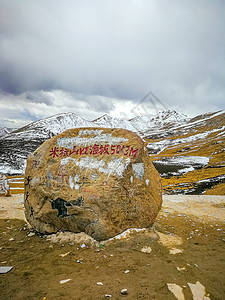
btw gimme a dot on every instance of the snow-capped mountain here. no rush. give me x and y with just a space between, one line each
163 119
110 122
46 128
4 131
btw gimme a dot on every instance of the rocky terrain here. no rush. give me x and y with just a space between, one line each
188 153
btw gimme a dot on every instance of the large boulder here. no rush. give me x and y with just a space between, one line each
94 180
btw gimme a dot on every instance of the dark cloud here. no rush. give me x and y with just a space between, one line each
117 49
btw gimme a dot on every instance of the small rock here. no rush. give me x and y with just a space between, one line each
176 290
108 296
127 271
124 292
12 239
83 246
31 234
79 261
64 281
146 249
175 251
64 254
181 269
99 283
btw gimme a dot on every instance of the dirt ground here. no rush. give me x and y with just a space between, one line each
183 254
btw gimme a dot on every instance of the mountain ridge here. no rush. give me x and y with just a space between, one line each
48 127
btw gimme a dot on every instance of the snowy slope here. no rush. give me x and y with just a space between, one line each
110 122
4 131
168 118
143 123
193 153
49 127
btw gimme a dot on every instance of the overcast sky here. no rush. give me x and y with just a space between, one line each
93 57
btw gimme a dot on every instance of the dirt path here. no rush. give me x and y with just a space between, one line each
183 254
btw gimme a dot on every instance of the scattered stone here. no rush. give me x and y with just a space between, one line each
181 269
64 281
198 291
124 292
31 234
4 270
99 283
64 254
176 251
176 290
12 239
83 246
196 265
146 249
79 261
127 271
108 296
80 181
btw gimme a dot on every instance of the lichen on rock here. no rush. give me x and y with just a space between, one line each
94 180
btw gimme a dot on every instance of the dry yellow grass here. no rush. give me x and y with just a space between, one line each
208 140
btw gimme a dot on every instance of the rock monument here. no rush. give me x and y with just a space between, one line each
94 180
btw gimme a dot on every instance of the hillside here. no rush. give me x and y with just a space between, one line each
191 157
188 153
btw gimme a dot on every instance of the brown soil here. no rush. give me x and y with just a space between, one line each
192 225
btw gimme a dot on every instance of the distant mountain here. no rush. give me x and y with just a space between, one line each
46 128
5 130
169 118
110 122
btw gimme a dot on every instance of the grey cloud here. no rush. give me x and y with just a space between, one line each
118 49
38 97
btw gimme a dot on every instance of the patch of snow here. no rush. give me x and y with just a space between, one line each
185 160
125 234
98 139
138 169
113 167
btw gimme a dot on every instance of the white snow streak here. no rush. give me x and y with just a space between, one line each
114 167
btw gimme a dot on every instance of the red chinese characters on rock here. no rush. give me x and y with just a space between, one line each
94 150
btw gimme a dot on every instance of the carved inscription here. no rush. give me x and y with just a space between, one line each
94 150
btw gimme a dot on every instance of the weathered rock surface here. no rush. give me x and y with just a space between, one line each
94 180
